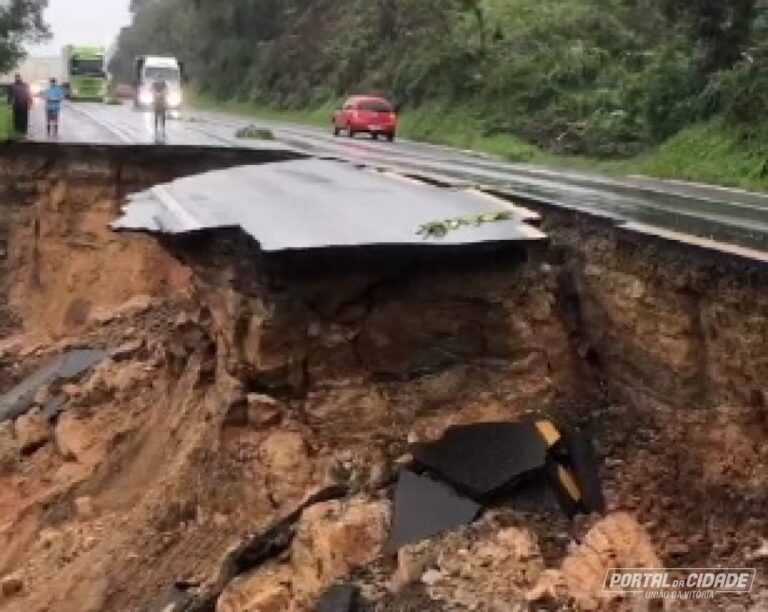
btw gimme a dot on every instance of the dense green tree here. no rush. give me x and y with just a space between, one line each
21 21
606 77
720 28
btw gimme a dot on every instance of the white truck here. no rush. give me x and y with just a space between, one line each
150 68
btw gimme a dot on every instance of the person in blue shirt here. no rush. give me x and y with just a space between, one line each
54 96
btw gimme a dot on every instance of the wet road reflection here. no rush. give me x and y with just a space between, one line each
725 215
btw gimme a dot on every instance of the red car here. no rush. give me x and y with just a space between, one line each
372 115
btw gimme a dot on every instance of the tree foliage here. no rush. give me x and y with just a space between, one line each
606 77
720 29
21 21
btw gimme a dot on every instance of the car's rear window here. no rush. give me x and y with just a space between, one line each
375 105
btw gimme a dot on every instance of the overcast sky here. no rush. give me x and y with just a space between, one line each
83 22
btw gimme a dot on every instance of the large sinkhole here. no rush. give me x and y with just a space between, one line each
239 385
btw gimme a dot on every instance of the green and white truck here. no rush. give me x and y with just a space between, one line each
85 72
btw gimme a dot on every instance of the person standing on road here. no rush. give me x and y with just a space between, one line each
54 96
160 105
20 99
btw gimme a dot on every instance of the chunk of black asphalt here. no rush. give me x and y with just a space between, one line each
54 407
339 598
581 459
532 495
483 460
425 508
64 367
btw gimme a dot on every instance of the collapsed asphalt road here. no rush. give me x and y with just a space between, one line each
260 400
709 217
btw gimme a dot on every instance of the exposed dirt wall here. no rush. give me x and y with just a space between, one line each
245 384
300 326
665 323
61 265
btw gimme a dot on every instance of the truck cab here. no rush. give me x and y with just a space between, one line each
85 75
149 69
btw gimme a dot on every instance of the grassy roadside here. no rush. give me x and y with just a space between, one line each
711 153
318 117
6 123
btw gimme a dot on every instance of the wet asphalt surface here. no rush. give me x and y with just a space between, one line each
712 217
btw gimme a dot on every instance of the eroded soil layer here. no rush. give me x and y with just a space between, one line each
246 392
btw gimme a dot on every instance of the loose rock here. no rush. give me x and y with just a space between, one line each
84 507
262 410
135 305
268 589
11 585
335 537
432 577
32 431
618 540
9 448
286 457
72 438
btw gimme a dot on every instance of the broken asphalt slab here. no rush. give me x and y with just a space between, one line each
425 508
65 367
342 597
484 459
490 461
317 204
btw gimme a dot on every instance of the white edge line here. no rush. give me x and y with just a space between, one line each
698 185
707 243
522 213
123 136
188 221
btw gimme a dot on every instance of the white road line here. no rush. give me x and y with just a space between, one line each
187 220
690 239
393 174
521 213
117 132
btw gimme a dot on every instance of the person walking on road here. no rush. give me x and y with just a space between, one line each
20 99
160 105
54 96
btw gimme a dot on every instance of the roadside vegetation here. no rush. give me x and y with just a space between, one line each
21 22
670 87
6 122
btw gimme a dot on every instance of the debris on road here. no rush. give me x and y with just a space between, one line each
439 229
425 508
64 368
255 132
